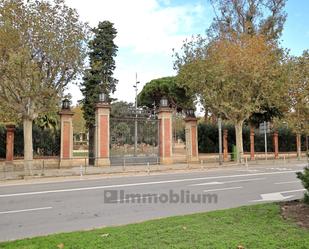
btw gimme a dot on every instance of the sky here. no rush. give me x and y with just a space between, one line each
149 30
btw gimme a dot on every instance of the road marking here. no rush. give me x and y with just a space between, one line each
286 182
140 184
277 196
217 183
220 189
248 170
25 210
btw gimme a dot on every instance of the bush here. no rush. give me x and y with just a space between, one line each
304 177
208 139
46 142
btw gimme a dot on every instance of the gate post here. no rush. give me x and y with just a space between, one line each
165 132
66 137
102 131
10 129
225 145
191 137
275 142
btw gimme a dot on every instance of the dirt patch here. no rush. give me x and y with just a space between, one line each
297 211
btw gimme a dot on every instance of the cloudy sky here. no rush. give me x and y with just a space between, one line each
148 30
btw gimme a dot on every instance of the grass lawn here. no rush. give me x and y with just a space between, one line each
259 226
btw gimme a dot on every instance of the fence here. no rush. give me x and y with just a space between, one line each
78 166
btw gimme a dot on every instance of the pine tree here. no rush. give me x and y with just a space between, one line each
99 76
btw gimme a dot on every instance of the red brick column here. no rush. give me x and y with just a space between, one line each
10 129
276 144
66 138
191 139
165 135
252 156
225 145
102 129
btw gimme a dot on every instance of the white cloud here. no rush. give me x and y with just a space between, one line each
147 33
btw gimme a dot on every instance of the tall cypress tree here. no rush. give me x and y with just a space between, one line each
99 75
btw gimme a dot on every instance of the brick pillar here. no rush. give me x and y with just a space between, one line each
252 156
225 145
66 137
191 139
10 129
165 135
102 129
276 144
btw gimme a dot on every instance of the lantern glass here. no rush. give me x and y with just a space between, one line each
164 102
190 113
66 104
102 97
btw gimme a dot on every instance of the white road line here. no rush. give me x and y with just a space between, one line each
286 182
292 191
25 210
220 189
215 183
141 184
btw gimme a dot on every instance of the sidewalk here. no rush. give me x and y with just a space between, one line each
75 173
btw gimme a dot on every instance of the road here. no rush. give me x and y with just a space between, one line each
28 210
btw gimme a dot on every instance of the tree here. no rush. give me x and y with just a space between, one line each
99 77
168 87
235 77
41 49
79 123
254 17
298 113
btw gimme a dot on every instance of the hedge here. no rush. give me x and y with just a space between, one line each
209 141
46 142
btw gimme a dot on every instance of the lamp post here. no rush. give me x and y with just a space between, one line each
66 104
220 139
135 123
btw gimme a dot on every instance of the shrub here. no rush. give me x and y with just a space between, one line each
304 177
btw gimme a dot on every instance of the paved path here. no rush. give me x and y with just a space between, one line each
28 210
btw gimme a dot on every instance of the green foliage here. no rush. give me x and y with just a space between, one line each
102 65
168 87
304 177
46 142
42 51
254 227
234 153
250 17
208 139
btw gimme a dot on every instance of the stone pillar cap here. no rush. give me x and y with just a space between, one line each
103 105
66 112
10 127
187 119
165 109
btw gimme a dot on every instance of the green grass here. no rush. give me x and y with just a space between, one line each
80 154
259 226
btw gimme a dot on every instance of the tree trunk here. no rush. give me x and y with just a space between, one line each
91 145
252 153
298 145
239 142
28 145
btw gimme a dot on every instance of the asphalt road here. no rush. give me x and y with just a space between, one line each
28 210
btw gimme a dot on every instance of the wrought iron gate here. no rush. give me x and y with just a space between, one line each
134 138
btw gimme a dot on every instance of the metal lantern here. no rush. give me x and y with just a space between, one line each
164 102
190 113
66 104
102 97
